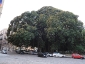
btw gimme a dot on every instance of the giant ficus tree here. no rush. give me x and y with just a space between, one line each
48 28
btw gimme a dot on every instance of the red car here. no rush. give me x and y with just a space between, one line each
77 56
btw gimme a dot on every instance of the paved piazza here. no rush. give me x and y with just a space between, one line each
33 59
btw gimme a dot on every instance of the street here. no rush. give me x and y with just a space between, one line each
33 59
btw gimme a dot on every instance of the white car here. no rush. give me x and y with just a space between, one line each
54 54
58 55
50 55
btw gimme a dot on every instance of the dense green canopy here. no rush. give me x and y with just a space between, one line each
49 29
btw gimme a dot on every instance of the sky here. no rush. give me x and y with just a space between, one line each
13 8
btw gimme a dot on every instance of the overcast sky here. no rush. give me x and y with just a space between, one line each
13 8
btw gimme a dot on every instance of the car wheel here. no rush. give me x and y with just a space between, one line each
82 58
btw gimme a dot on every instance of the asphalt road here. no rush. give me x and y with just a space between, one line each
33 59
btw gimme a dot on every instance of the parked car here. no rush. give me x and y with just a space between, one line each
77 56
55 53
33 52
4 51
20 51
58 55
40 54
50 55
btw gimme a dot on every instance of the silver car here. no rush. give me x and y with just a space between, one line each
58 55
4 51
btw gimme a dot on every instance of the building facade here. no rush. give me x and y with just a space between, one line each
3 39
